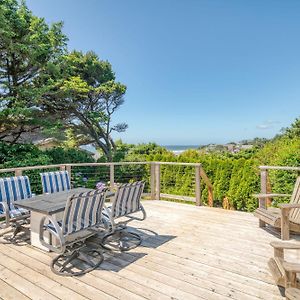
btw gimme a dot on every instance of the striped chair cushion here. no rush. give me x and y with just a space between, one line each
17 212
127 199
83 211
54 182
106 212
13 189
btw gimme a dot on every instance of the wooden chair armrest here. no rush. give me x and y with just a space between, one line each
291 267
285 245
289 205
270 195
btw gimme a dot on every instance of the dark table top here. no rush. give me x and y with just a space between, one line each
49 204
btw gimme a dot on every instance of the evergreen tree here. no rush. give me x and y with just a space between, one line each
27 47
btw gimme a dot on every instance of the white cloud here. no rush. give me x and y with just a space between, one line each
267 124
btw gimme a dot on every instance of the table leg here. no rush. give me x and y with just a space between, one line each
35 219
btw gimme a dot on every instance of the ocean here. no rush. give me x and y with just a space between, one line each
177 149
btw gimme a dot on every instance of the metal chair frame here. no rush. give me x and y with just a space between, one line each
16 222
119 230
70 244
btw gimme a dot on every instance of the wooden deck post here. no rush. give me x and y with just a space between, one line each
263 190
62 167
18 172
69 169
198 185
112 176
152 180
157 181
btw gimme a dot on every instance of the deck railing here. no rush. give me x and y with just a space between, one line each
87 174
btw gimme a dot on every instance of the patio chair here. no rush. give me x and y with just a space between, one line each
82 214
284 272
13 189
127 201
54 182
286 217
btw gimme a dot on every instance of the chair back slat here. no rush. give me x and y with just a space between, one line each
83 211
295 213
13 189
54 182
127 199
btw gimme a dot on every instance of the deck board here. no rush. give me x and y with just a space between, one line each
188 253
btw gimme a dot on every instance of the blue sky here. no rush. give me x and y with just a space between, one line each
196 71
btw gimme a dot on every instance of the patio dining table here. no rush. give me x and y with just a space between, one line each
47 204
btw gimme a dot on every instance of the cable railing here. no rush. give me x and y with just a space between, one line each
163 180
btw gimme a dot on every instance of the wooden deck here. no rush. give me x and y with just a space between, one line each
192 253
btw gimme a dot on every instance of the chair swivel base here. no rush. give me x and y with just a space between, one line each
77 262
121 240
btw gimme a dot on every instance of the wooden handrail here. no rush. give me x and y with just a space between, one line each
30 168
177 163
25 168
279 168
209 187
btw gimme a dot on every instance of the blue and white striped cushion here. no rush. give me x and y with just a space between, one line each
13 189
54 182
17 212
83 211
127 199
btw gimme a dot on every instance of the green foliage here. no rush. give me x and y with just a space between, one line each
85 95
294 130
61 155
283 151
28 45
42 85
248 185
20 155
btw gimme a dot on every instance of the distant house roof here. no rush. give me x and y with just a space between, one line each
246 147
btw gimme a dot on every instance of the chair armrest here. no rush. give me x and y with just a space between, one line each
285 245
57 232
6 213
270 195
289 205
291 267
137 218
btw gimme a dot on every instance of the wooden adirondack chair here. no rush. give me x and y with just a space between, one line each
284 272
286 217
